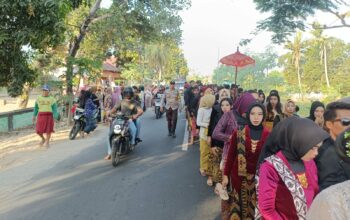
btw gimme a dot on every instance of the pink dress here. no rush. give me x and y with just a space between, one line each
275 200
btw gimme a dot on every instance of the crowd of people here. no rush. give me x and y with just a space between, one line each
263 159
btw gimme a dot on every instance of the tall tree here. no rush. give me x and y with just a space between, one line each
285 17
296 48
157 57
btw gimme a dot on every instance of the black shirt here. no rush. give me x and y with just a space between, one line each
331 169
215 116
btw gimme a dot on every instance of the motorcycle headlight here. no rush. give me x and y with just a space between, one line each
117 129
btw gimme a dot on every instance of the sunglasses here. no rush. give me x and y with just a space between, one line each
344 121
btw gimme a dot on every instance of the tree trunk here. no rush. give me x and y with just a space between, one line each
325 65
73 49
299 82
160 75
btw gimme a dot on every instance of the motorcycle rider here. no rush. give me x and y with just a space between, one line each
130 108
158 98
173 101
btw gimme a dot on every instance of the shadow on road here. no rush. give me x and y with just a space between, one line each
158 181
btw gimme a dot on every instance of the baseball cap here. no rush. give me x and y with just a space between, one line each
46 87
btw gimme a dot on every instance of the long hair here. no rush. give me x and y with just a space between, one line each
278 106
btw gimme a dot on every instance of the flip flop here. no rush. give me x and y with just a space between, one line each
202 172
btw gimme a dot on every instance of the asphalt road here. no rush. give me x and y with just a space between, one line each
71 180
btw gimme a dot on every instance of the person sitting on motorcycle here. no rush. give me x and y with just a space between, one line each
90 112
130 108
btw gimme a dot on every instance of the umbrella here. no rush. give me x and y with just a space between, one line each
237 60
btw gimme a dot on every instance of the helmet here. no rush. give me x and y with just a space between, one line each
128 91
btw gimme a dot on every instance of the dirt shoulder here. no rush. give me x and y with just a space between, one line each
13 145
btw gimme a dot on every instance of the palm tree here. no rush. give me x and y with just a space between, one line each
296 48
322 42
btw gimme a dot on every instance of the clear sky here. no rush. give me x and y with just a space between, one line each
214 28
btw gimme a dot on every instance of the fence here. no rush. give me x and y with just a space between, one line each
17 119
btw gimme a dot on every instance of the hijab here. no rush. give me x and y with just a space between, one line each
293 141
243 102
296 142
207 101
256 131
116 95
314 106
221 94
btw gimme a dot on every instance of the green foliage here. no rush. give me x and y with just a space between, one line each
312 65
156 62
260 76
285 17
33 24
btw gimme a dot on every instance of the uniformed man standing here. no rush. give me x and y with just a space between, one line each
171 100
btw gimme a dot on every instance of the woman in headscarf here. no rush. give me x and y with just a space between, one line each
240 167
205 107
116 96
230 121
224 106
289 110
108 101
316 113
333 202
148 97
273 108
193 110
287 180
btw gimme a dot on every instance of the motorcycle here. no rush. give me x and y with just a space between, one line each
120 138
79 122
157 105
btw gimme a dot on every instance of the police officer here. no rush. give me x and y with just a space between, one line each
171 101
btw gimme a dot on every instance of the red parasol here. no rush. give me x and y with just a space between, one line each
237 60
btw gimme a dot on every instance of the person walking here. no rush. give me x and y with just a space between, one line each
171 101
205 108
240 167
287 174
45 110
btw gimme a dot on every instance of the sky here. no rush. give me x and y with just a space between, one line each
213 29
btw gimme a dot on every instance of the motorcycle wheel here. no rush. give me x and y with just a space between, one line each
115 152
74 131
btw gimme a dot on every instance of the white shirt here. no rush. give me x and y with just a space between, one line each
203 119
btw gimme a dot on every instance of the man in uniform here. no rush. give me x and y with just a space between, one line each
171 101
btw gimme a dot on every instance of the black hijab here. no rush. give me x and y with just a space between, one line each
255 131
294 137
314 106
299 137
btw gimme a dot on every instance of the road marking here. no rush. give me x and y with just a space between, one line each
185 140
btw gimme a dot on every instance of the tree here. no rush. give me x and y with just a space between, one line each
156 56
25 26
285 17
295 49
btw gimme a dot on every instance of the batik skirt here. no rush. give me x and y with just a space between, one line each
241 205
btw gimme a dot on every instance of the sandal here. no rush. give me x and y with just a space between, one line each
222 191
202 172
108 157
